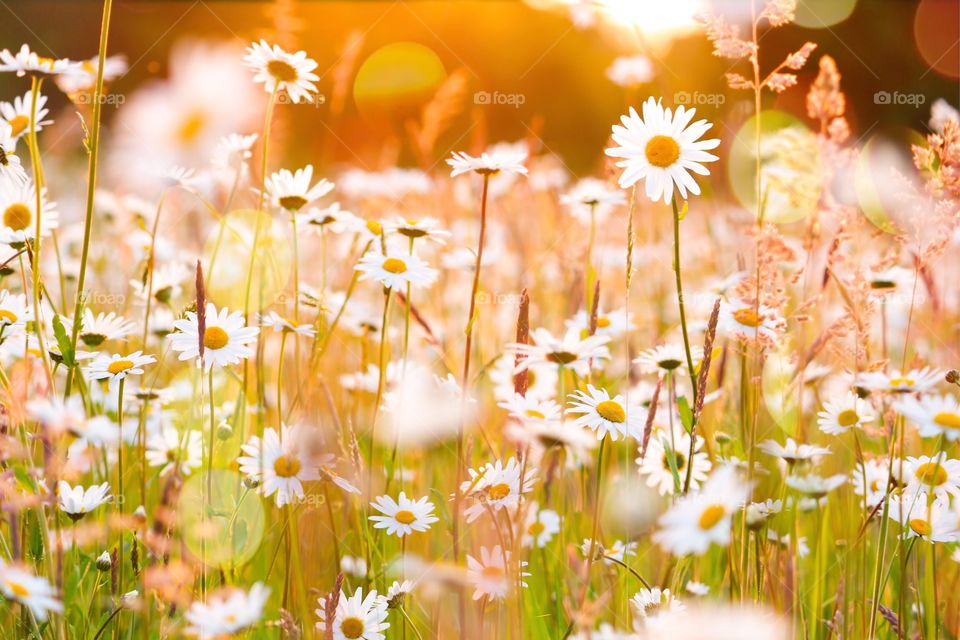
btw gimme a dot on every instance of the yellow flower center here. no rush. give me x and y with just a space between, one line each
192 126
18 589
282 71
404 516
612 411
394 265
17 216
662 151
215 338
902 382
711 516
493 571
286 466
603 322
747 317
7 317
944 419
374 227
352 628
921 527
18 124
498 491
533 413
119 366
292 203
847 418
536 528
932 474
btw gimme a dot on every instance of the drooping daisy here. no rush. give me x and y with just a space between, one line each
403 516
280 71
606 415
610 323
25 62
10 167
226 340
282 325
939 476
618 551
540 526
591 196
33 592
700 519
332 218
77 502
570 351
489 574
227 611
740 319
292 191
280 465
662 149
166 283
19 205
668 358
791 452
395 270
95 330
397 592
356 617
758 513
844 413
531 409
14 312
934 415
17 114
117 367
900 382
496 485
170 449
487 164
656 464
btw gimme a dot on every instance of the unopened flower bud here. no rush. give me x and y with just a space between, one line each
953 376
104 562
224 431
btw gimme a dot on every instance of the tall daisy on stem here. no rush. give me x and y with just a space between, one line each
662 148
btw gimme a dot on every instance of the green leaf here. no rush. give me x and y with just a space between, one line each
24 478
63 341
686 415
672 462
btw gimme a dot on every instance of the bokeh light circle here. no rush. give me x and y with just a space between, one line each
227 259
936 30
235 518
818 14
883 167
790 167
397 77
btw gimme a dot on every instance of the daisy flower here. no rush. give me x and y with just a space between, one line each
605 415
77 502
668 358
487 164
280 465
95 330
369 229
403 516
395 270
397 592
540 526
793 453
19 205
25 62
332 218
14 312
758 513
414 228
701 519
496 485
630 71
592 197
227 611
813 485
233 151
570 351
899 382
58 416
656 463
697 588
353 566
531 409
619 550
10 167
226 340
281 325
939 476
166 282
489 575
170 449
662 149
116 367
31 591
870 480
85 77
292 191
844 413
934 415
650 603
611 323
17 114
745 320
356 617
280 71
931 522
